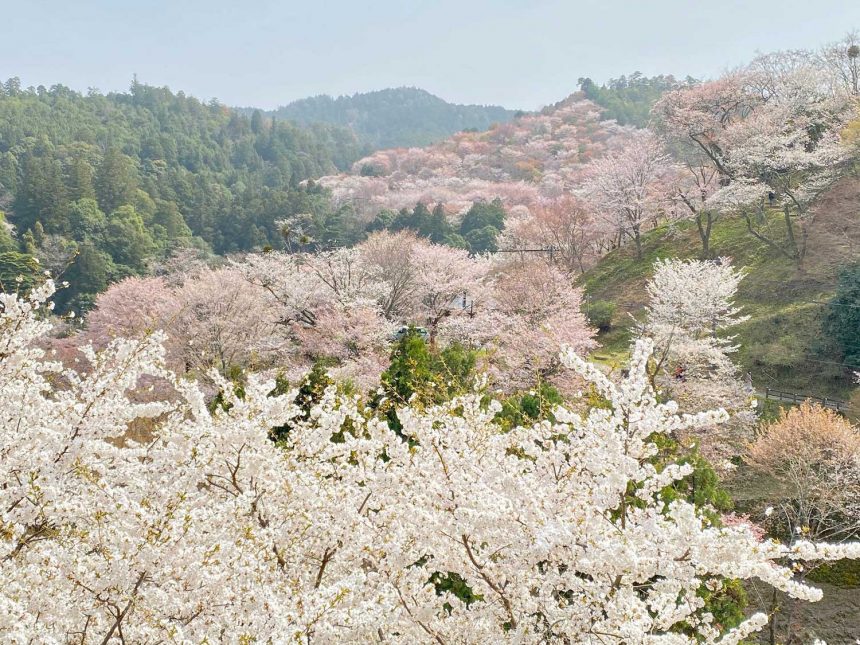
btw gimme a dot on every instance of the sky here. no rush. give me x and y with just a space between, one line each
522 54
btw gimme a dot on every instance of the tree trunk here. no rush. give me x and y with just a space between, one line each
637 238
789 227
704 223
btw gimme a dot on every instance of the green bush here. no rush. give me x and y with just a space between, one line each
422 375
523 409
311 390
843 573
600 313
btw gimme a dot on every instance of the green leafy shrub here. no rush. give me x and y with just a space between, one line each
600 313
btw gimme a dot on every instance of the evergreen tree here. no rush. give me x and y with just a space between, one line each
86 220
438 228
843 316
115 181
483 214
79 182
126 238
7 243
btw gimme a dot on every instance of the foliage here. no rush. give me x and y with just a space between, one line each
600 313
421 375
18 271
528 407
844 573
478 231
419 220
137 174
7 242
483 214
701 487
310 393
628 99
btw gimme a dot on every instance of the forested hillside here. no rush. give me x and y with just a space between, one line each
629 99
394 118
113 181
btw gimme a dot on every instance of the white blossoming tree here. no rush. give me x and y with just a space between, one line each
690 310
208 532
629 187
787 150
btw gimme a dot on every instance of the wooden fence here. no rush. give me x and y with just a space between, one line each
793 397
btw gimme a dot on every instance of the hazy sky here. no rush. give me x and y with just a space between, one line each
517 53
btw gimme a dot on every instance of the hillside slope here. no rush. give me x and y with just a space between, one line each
396 117
781 345
532 158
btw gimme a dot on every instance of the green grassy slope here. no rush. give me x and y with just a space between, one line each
782 344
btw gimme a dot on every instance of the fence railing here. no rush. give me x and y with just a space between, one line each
795 397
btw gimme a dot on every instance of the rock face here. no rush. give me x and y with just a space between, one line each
835 619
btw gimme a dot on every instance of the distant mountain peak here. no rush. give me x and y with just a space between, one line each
394 117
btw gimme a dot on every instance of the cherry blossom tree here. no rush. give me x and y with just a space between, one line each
694 297
761 138
411 280
843 60
207 530
390 256
447 282
786 152
691 308
628 187
225 323
326 306
813 456
702 113
131 308
565 225
537 310
693 121
212 319
346 304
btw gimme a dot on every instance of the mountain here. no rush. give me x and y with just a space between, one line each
394 118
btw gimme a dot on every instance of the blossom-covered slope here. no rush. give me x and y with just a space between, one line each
523 162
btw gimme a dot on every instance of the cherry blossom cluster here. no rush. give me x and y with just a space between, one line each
517 311
202 529
691 307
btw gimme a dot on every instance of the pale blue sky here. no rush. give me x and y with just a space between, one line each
518 53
